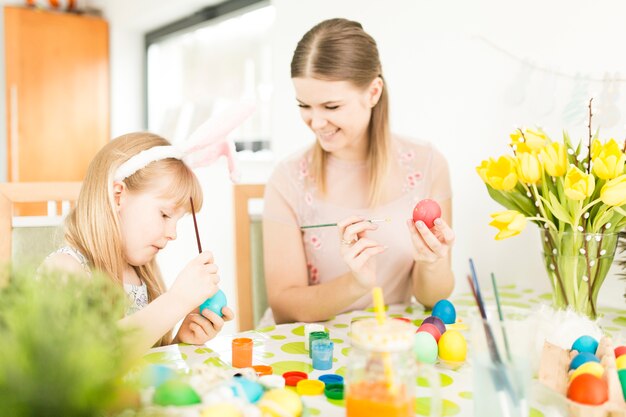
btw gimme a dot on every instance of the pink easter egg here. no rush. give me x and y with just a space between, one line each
427 211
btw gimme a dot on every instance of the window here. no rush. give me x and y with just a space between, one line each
198 71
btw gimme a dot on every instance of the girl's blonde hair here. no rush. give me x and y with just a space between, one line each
340 50
93 226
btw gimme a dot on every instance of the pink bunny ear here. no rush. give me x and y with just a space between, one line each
210 140
217 128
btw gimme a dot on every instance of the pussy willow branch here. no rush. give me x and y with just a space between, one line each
589 144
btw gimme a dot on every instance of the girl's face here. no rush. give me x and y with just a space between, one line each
148 221
338 113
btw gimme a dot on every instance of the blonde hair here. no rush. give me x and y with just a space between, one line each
93 226
340 50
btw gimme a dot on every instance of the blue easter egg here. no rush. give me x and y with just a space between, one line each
156 375
215 303
585 344
583 357
252 390
445 311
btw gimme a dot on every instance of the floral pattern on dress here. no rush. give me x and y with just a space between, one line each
314 277
138 297
316 242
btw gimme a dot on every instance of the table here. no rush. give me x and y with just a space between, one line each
282 347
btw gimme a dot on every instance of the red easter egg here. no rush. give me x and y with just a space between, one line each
588 389
427 211
430 328
619 351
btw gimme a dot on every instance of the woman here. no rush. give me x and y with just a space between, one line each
355 172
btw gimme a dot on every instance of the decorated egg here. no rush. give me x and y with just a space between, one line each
621 362
619 351
430 328
437 322
445 311
155 375
280 402
593 368
215 303
452 346
175 392
585 344
221 410
588 389
425 348
250 389
427 211
581 358
622 379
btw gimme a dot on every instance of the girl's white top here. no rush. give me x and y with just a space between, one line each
137 294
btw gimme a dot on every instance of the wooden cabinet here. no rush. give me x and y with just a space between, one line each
57 93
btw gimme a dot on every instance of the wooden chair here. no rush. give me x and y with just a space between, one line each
15 193
246 253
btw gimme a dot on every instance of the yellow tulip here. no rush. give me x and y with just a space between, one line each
508 222
531 141
500 174
554 158
578 185
529 168
608 159
614 191
482 170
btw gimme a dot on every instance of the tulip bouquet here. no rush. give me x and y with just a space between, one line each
576 195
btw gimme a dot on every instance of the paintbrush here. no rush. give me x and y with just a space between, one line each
501 316
315 226
195 225
499 373
379 309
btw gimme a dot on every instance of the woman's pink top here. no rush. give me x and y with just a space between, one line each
417 171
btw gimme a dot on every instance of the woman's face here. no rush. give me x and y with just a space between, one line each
338 113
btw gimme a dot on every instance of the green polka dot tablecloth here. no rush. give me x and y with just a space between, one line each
282 347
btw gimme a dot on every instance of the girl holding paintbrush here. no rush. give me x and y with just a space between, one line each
356 174
135 191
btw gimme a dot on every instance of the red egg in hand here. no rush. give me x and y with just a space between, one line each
427 211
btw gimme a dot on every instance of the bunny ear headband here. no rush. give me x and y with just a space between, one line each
205 145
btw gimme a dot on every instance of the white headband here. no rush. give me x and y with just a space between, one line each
205 145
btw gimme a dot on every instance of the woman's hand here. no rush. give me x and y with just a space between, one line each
197 281
197 328
358 251
430 245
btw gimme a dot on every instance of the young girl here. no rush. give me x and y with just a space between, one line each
355 171
136 189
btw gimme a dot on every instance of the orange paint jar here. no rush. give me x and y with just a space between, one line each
381 371
373 399
242 352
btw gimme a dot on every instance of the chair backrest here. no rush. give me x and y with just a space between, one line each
30 237
251 294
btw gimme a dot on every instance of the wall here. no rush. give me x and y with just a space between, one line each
456 77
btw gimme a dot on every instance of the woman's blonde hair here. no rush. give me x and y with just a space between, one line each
93 226
340 50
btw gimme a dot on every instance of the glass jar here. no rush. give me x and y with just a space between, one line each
381 372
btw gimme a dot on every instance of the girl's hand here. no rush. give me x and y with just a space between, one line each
358 251
430 245
197 281
197 328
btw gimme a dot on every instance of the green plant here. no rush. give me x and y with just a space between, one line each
61 351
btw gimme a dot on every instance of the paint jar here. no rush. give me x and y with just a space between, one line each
322 354
316 336
381 371
242 352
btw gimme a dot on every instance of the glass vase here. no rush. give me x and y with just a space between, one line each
577 264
